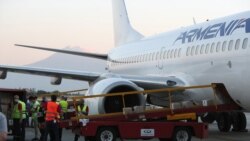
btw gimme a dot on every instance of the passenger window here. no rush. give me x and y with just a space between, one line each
179 52
224 46
175 53
172 53
212 48
245 42
230 45
207 48
157 55
168 55
192 50
153 56
197 49
237 44
202 49
164 55
218 47
188 50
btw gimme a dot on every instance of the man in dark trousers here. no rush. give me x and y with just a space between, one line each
51 118
18 115
41 117
82 109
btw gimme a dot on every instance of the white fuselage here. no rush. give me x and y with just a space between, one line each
216 51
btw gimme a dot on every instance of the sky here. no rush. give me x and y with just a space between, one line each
88 23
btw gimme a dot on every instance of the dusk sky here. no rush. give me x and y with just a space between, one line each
88 23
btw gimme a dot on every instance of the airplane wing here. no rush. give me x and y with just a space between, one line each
92 55
54 73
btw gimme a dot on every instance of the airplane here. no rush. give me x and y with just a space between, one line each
214 51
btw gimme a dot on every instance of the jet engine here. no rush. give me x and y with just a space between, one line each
56 80
110 104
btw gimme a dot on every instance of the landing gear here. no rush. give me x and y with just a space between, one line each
239 122
208 117
224 122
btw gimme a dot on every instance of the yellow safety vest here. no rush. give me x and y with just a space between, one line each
16 114
35 111
64 105
83 109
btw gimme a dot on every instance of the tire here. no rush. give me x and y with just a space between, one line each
239 121
182 134
236 121
224 122
106 134
208 118
243 123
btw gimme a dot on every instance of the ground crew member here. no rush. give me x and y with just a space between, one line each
41 117
34 110
3 127
82 109
51 118
64 109
18 115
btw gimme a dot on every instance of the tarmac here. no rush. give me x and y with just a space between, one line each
214 134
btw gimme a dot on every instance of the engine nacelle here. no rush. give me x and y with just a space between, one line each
112 104
56 80
3 74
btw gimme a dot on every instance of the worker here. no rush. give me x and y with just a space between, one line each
51 119
64 109
18 115
3 127
82 109
41 117
34 111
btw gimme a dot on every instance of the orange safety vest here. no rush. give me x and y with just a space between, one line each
51 113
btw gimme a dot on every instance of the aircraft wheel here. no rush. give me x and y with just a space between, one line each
208 117
239 121
224 122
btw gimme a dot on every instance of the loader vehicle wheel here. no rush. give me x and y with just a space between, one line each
182 134
106 134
